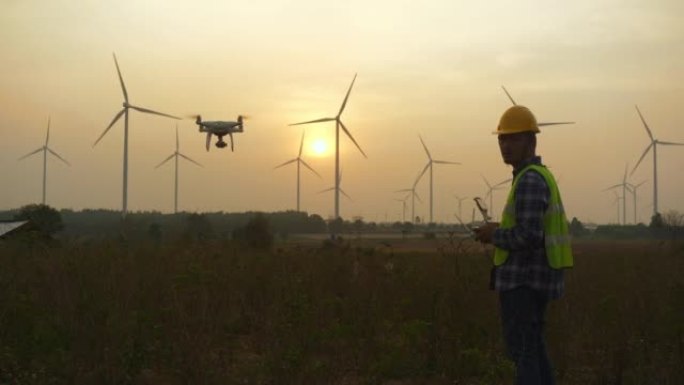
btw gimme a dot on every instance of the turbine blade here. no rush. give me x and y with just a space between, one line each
346 195
671 143
47 137
208 140
553 123
503 182
116 117
189 160
59 157
624 178
486 182
344 103
344 128
314 121
509 96
418 197
421 174
177 142
642 158
309 167
148 111
612 187
403 190
444 162
165 160
118 71
31 153
650 135
285 163
326 190
425 147
301 145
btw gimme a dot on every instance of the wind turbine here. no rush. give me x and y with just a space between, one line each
624 186
491 189
124 113
460 201
633 190
45 149
414 195
403 207
176 154
654 143
617 203
338 124
299 161
429 166
540 124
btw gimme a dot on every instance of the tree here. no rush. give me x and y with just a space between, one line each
198 227
657 221
256 233
576 228
673 221
336 226
43 218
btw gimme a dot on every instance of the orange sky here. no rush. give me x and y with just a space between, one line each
432 68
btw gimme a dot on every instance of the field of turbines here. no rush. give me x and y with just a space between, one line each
222 128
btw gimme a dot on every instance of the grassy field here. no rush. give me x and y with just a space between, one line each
362 312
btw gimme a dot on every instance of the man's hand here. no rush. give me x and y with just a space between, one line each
485 233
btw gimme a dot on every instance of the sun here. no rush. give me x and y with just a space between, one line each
319 147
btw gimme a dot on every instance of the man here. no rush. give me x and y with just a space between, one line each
532 247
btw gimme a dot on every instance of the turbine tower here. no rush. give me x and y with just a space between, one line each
617 203
429 166
654 143
176 154
124 112
540 124
45 149
624 186
338 124
299 161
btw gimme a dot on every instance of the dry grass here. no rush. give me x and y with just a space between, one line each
365 312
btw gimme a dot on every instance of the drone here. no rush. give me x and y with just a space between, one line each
220 128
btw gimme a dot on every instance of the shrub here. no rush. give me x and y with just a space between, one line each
44 219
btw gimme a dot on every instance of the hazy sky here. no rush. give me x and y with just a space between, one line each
432 68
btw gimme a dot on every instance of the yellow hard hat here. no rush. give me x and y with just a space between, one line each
517 119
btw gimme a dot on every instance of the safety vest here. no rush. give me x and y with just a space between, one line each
556 233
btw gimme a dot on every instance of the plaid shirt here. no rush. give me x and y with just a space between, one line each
527 264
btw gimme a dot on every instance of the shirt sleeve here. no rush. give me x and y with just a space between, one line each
531 201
